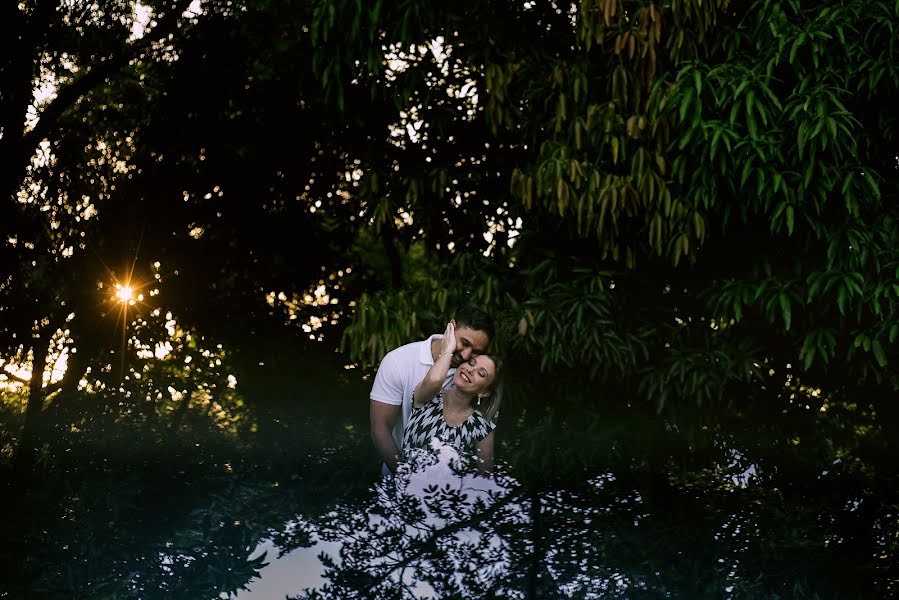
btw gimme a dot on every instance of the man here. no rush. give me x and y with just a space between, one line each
403 368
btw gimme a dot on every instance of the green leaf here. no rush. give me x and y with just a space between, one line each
747 171
750 122
685 103
778 211
800 141
879 354
841 299
772 97
795 49
807 353
714 145
875 189
819 125
814 286
847 182
734 111
785 310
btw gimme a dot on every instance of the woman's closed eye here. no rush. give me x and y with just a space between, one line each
473 363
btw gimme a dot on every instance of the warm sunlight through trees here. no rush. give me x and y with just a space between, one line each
694 198
682 214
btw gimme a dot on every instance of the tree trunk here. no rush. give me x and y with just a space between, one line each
27 450
68 387
181 409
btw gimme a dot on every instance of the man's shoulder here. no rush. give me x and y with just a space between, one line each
407 354
399 371
411 347
402 360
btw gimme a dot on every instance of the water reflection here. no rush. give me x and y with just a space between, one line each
720 532
286 570
791 503
437 531
424 533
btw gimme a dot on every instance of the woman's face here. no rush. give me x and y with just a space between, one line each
475 375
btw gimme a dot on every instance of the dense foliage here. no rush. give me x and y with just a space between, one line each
680 208
693 199
706 191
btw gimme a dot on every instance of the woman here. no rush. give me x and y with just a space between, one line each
461 415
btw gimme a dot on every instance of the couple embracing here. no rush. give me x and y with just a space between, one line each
444 387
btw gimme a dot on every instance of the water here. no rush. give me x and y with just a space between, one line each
592 499
283 575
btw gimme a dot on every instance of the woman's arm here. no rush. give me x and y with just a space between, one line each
485 454
436 375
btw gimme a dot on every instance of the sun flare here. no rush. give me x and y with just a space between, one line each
124 293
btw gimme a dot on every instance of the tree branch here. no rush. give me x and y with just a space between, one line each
51 388
67 96
14 377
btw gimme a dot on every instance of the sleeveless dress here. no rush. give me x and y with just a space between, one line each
427 422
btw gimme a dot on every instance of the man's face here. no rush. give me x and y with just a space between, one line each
469 342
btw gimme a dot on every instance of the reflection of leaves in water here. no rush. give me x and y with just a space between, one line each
419 534
435 531
609 506
632 530
297 534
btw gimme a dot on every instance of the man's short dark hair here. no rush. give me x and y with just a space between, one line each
476 319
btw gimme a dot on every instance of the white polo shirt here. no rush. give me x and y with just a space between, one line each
400 371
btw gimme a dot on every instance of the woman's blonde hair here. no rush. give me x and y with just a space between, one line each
489 406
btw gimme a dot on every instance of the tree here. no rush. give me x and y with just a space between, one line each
74 50
716 178
183 157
